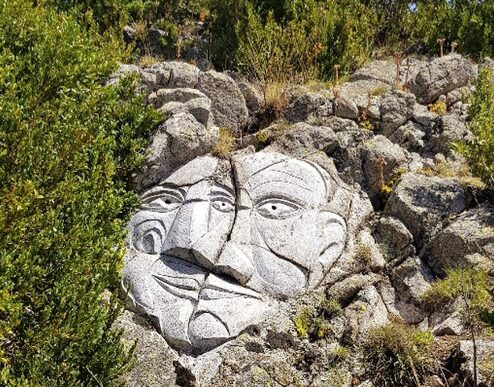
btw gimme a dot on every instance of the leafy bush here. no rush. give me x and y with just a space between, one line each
479 151
68 146
397 355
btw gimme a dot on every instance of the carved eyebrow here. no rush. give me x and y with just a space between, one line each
169 189
284 182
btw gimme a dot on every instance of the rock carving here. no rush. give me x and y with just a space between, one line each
218 239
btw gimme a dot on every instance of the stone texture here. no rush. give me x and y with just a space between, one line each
423 203
441 76
394 239
210 245
228 103
409 136
179 139
379 70
464 353
397 108
467 241
380 161
303 138
309 107
346 108
450 128
366 312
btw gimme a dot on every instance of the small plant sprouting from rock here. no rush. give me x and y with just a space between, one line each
226 143
438 107
363 253
441 46
313 322
398 355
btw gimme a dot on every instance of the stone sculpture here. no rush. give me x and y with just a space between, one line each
218 240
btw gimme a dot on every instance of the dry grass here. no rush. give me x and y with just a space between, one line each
275 98
225 145
463 175
363 253
148 61
438 107
141 30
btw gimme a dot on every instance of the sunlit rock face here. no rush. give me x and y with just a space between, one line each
215 242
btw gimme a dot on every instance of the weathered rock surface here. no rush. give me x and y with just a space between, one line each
397 108
423 203
309 106
179 139
225 252
467 242
441 76
380 162
229 107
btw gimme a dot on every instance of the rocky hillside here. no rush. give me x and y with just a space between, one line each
388 131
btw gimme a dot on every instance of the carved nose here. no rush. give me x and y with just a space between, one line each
236 261
187 235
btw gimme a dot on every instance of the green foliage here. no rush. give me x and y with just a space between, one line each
474 287
314 322
68 146
397 355
274 52
479 151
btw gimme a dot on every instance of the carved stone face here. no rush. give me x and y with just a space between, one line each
210 245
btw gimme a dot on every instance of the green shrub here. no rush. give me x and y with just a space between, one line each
314 322
474 287
397 355
479 151
68 146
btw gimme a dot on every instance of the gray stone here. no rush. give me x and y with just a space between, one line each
175 75
379 70
441 76
183 95
409 136
423 116
451 326
380 161
411 279
228 103
364 94
252 95
485 351
467 242
393 237
178 140
346 290
397 108
309 107
450 129
303 138
154 358
211 246
367 312
423 203
346 108
199 108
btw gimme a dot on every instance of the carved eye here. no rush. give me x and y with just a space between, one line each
163 203
277 208
222 204
149 236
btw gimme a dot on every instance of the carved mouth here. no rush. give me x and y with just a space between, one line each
177 278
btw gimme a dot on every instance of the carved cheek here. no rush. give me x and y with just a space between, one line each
294 238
